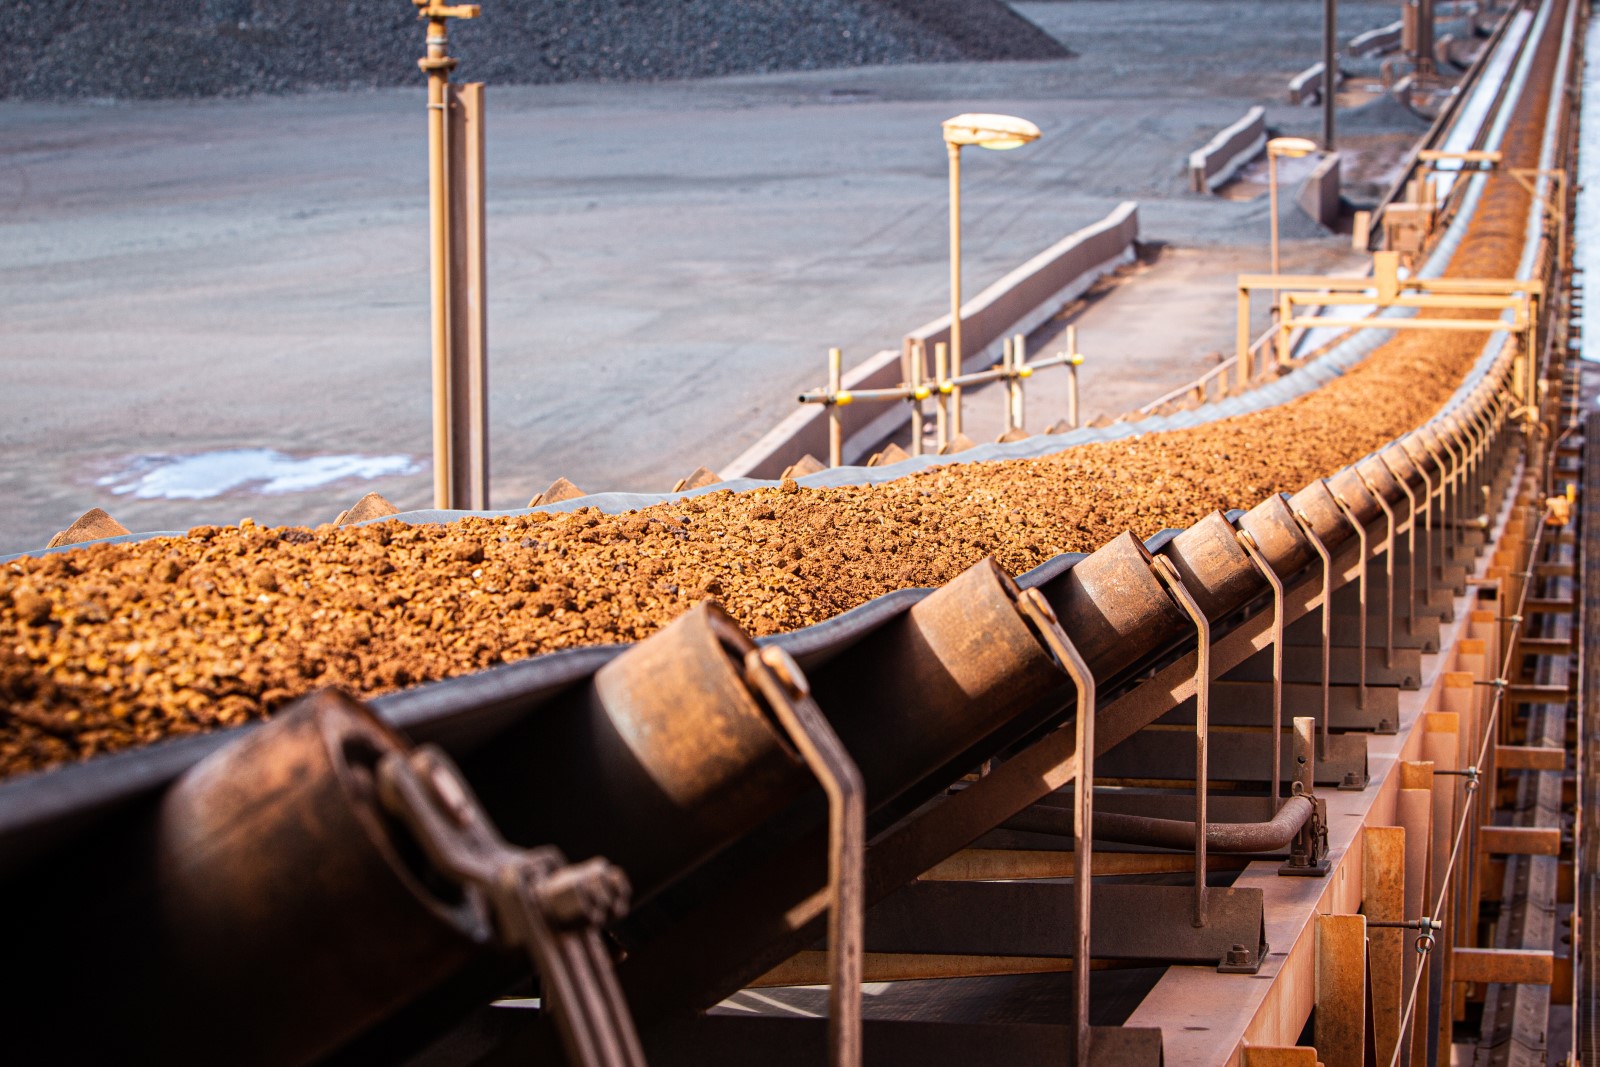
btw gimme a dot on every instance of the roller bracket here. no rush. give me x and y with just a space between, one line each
773 673
536 901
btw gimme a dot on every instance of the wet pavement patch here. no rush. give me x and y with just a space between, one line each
204 475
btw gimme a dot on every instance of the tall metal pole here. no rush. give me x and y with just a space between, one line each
955 283
1330 70
437 64
1272 198
1073 359
469 364
1423 58
835 421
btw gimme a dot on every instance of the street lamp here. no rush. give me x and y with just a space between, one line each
1294 148
997 133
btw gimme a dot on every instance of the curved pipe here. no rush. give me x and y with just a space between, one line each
1231 837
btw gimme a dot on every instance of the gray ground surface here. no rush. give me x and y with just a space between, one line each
171 48
668 263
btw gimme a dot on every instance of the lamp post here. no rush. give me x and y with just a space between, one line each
1294 148
996 133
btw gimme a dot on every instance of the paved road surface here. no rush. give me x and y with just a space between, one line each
668 263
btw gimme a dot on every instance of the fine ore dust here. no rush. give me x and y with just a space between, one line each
113 646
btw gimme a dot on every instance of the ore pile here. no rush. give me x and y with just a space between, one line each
119 645
113 646
168 48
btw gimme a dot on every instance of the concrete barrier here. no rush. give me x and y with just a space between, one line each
1306 87
1318 195
1017 303
1376 42
1229 150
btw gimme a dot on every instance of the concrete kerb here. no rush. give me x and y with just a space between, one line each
1376 41
1230 149
1017 303
1307 86
1318 195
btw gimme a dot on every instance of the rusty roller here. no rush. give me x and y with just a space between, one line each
1328 523
272 890
977 665
1214 567
660 759
974 665
1278 537
1114 608
1346 484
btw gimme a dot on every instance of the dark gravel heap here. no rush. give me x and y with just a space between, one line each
188 48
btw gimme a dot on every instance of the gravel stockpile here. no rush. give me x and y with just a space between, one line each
169 48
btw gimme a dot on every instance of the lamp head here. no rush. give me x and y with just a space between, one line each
995 132
1293 147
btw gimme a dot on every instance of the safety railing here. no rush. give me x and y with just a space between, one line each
945 389
1214 383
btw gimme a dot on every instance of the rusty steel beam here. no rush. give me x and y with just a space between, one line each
1504 965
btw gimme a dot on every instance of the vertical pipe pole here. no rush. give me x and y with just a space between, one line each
468 363
1283 330
1424 54
1330 70
918 423
1305 754
941 375
835 422
955 283
1272 209
1007 369
1242 341
438 70
1074 358
1019 361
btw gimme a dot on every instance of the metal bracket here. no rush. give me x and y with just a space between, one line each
1247 541
1168 574
1036 609
1427 524
536 900
1424 940
1388 568
776 676
1308 853
432 9
1411 549
1309 529
1361 592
